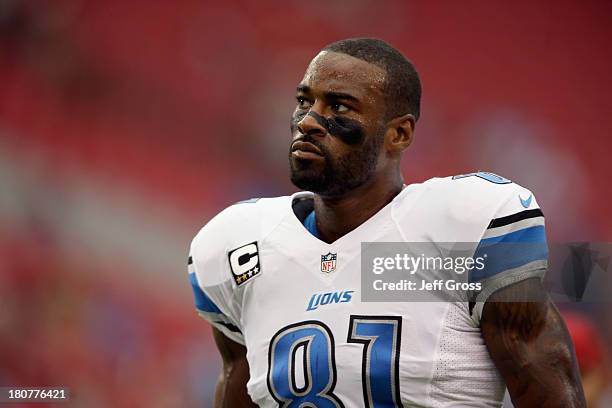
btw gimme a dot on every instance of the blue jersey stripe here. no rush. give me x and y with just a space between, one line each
510 251
202 302
531 234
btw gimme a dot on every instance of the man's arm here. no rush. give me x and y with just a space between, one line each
231 389
531 347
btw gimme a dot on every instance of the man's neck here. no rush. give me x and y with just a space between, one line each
337 216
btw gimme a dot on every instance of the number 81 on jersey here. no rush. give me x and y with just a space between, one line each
380 336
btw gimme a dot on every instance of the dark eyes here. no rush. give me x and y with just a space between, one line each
340 108
303 103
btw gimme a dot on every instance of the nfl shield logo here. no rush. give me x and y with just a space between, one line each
328 262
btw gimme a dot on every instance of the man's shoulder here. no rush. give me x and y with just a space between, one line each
478 188
461 207
240 223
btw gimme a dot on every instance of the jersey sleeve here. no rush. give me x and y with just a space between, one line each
513 246
216 299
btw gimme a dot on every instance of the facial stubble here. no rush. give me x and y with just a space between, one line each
335 176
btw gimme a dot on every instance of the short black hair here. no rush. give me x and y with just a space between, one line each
402 87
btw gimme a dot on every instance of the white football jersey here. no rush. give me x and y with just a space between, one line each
294 301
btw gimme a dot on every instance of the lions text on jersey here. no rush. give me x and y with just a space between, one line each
294 301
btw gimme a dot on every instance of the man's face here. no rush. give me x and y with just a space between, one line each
338 124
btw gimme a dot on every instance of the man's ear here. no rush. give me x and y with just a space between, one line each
400 133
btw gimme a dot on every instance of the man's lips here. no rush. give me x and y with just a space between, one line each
305 150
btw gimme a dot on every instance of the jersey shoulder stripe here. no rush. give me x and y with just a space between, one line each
534 233
512 242
208 310
509 219
202 302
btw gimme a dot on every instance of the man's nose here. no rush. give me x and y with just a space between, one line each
311 123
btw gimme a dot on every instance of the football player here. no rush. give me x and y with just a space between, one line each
279 278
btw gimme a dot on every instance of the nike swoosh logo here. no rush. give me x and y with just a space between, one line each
526 203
